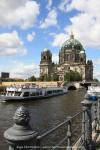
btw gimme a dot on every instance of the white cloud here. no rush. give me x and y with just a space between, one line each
96 73
96 61
96 70
49 4
50 20
19 69
63 6
55 58
86 24
11 44
31 36
25 70
22 13
59 39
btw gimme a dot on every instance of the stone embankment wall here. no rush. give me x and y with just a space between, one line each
39 84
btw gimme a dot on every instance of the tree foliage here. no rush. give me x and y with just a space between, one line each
11 80
48 78
32 78
72 76
55 77
95 80
45 78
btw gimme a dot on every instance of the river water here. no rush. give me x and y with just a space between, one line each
45 114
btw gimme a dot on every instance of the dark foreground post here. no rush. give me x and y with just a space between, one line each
87 124
69 147
21 136
98 111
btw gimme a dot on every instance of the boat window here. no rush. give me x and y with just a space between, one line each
18 93
10 93
33 94
37 93
49 92
26 94
40 92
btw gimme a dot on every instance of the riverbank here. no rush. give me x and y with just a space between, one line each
40 84
3 85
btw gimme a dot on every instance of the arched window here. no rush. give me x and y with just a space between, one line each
68 57
44 57
81 59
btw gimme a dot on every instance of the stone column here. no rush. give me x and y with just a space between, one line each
21 135
87 126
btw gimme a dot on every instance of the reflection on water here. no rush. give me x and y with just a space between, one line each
45 114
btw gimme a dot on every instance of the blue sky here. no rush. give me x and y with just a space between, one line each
29 26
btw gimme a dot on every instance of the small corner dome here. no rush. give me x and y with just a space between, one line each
82 52
45 50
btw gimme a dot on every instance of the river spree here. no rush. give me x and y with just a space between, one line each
45 114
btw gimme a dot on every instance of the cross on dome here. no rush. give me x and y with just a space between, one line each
72 35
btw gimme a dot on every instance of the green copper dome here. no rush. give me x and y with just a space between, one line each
46 49
46 52
72 43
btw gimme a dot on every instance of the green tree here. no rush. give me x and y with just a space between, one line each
72 76
95 80
67 76
32 78
55 77
48 78
11 80
45 78
41 78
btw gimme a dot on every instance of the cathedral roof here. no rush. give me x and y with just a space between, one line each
46 49
72 43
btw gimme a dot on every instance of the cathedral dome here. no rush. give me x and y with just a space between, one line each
72 43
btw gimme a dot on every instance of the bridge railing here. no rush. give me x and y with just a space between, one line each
79 127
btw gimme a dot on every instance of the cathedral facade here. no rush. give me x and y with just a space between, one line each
72 57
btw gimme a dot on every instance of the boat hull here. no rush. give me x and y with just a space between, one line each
5 98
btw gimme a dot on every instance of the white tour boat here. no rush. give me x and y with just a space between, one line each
15 93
